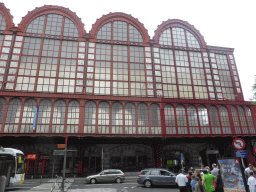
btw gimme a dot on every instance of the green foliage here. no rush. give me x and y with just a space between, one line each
253 100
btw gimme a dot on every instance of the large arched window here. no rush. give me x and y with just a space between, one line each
73 117
249 119
170 119
2 111
44 116
203 119
243 120
51 61
13 116
224 118
58 120
143 119
155 119
90 117
235 120
28 116
117 118
192 120
103 118
181 119
214 117
130 119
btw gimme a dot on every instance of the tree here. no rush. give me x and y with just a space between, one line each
254 93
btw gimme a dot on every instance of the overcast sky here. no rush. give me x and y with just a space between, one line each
224 23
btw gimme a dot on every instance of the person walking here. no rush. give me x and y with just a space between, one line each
248 170
182 180
215 170
251 182
208 180
199 186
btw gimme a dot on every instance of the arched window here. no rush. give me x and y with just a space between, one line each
51 61
179 37
103 118
2 23
224 120
203 119
28 116
181 119
73 117
235 120
192 120
121 30
143 119
90 117
130 119
170 119
117 118
243 120
13 116
58 120
249 119
155 119
214 117
44 116
53 26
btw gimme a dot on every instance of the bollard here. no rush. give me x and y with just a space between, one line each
41 179
2 183
74 178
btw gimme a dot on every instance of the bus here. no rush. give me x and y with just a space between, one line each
12 166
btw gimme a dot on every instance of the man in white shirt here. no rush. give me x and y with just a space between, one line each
251 182
182 180
248 170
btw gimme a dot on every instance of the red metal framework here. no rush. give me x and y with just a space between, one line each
110 87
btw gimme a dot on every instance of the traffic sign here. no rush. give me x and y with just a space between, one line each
238 144
241 153
254 149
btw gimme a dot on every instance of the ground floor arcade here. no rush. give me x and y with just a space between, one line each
87 155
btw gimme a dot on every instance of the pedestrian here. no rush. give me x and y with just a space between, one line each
251 182
215 170
199 186
193 182
189 180
208 180
248 170
198 173
182 180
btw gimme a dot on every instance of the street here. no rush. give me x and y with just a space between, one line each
78 185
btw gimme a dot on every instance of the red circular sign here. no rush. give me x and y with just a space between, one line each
254 149
238 144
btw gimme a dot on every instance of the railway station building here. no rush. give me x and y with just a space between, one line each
123 99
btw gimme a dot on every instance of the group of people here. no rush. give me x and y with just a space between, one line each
201 180
250 176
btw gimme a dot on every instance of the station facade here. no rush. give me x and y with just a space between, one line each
123 100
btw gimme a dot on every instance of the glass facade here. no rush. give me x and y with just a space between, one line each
115 80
